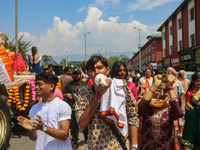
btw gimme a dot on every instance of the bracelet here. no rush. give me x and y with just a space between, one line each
170 89
135 146
95 99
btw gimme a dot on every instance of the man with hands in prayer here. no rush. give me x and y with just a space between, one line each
49 120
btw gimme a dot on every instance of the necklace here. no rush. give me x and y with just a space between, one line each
48 100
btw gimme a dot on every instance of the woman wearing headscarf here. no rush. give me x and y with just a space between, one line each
184 80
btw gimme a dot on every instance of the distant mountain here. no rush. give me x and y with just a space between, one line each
77 57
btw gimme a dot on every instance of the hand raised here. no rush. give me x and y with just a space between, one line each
100 90
170 80
27 123
157 80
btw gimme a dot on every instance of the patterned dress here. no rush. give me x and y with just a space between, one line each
99 132
158 124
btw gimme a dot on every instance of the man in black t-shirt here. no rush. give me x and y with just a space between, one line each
70 94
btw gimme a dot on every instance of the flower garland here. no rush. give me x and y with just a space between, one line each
16 99
58 86
32 84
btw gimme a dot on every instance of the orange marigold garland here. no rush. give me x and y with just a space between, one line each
15 96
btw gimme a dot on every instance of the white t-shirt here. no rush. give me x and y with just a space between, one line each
52 113
178 88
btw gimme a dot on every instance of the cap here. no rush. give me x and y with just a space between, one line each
76 71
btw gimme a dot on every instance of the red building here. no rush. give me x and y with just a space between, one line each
181 37
151 53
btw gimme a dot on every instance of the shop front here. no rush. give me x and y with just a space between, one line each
175 61
187 59
197 58
166 62
160 66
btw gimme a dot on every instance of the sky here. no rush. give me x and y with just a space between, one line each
57 27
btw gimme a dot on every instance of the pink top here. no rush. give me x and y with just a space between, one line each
58 93
133 89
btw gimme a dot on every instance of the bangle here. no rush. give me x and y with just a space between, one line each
135 146
170 89
95 99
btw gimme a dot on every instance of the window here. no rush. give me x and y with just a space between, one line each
179 23
192 37
163 35
164 52
191 14
146 59
180 45
153 57
171 49
170 30
146 50
149 58
149 48
153 44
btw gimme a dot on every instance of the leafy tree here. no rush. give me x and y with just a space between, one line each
125 59
112 60
47 56
23 47
63 62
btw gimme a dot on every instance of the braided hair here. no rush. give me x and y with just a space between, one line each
34 51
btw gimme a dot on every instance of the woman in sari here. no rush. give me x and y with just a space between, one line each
191 133
193 93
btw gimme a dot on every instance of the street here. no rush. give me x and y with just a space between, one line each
20 140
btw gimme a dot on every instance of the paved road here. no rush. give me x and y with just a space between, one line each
21 141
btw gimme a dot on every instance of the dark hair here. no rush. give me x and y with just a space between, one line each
66 69
195 77
94 59
47 77
135 78
115 69
34 51
50 65
150 70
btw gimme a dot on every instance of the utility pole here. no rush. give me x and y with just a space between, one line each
85 44
66 58
16 26
139 47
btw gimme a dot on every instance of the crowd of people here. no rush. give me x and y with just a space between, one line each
146 111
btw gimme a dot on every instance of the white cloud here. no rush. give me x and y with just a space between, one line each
147 4
81 9
106 2
109 35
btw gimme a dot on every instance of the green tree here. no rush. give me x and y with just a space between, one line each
125 59
63 62
23 46
112 60
47 56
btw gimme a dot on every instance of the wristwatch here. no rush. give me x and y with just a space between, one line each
44 128
135 146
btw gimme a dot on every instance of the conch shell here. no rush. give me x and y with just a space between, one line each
104 80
